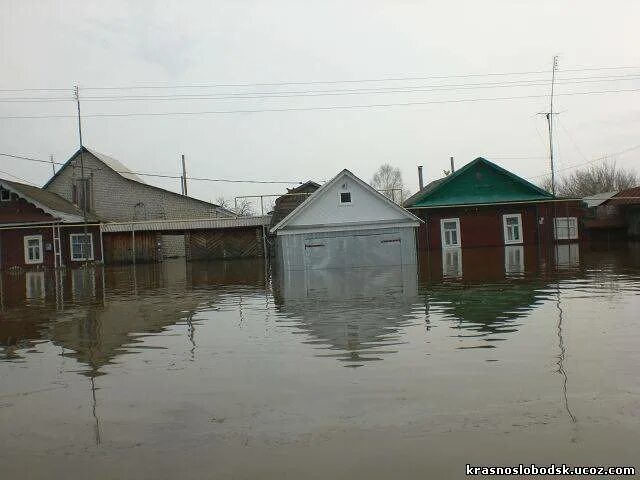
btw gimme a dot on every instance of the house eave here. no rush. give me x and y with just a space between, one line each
508 202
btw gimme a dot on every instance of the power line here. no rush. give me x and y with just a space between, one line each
18 178
332 92
160 175
318 82
366 80
317 108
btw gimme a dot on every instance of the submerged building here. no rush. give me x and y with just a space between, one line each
105 187
484 205
41 229
346 223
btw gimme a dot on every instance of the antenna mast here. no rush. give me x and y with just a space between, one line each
550 122
83 182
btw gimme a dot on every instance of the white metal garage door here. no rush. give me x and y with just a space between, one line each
356 250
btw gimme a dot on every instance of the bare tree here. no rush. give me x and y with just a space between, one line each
599 178
388 180
223 202
242 207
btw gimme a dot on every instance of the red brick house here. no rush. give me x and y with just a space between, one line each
484 205
41 229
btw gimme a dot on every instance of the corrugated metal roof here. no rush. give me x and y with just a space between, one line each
115 165
187 224
630 196
44 198
597 199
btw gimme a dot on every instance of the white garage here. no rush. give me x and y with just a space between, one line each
346 223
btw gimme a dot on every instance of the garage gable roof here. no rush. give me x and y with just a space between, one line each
395 210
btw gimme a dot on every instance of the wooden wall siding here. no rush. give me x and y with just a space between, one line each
19 210
118 247
12 246
483 226
234 243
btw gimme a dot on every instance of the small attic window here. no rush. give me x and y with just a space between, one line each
345 198
5 195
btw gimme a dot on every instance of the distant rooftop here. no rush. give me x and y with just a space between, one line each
43 198
598 199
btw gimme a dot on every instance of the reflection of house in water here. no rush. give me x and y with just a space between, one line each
97 315
357 312
485 309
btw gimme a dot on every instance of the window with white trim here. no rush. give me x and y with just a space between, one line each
512 224
345 198
565 228
33 249
450 231
81 247
5 195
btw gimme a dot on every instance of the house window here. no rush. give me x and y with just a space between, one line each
345 198
5 195
450 229
81 247
33 249
565 228
512 228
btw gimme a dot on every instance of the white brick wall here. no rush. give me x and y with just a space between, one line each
115 198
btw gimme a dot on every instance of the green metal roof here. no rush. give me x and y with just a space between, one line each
480 181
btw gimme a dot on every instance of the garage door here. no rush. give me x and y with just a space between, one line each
373 250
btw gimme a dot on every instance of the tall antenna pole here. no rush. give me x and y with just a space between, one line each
550 122
184 177
53 165
83 182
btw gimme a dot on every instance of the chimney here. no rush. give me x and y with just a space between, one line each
453 167
420 182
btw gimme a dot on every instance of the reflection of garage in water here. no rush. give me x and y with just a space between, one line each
346 223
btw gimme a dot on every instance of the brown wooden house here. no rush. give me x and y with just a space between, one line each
484 205
41 229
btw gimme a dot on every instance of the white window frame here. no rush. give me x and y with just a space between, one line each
563 230
345 204
71 237
2 190
458 233
505 228
27 260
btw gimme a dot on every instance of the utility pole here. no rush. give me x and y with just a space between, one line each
184 177
53 165
550 122
83 182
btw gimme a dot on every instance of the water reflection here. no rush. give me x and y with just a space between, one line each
356 313
162 358
97 314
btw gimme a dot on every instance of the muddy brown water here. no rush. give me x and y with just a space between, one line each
238 370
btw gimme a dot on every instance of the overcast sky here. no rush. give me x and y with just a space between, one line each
53 44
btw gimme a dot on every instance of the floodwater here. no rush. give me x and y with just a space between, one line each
237 370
